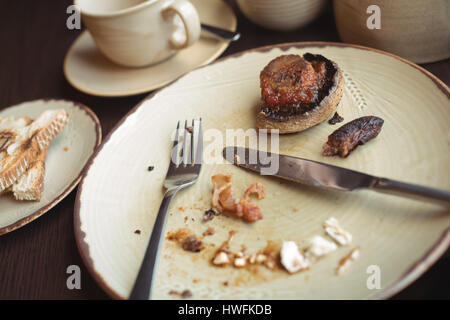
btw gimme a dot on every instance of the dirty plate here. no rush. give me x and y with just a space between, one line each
67 155
399 238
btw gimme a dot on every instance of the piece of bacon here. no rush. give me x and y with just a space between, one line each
257 189
224 201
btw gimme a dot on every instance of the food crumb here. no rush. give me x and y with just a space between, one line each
150 168
209 232
224 201
186 219
186 239
66 149
190 129
191 243
295 209
345 262
335 231
195 280
137 231
209 215
335 119
226 283
185 294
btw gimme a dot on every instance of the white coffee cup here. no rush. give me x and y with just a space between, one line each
136 33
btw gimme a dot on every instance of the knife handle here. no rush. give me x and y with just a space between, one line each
411 190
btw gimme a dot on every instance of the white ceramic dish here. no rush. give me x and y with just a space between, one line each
67 156
89 71
402 237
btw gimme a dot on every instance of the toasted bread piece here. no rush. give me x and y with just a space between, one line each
31 184
23 144
318 114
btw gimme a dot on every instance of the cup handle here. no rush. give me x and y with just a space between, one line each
188 14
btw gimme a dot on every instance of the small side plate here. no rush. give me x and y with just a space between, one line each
67 157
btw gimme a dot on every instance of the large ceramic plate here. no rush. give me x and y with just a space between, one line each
400 237
89 71
67 156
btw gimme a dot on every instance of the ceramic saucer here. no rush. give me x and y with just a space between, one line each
89 71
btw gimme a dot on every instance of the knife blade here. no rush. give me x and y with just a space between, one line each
326 175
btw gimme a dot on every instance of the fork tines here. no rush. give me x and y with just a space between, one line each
190 149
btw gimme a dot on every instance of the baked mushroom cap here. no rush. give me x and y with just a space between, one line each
298 92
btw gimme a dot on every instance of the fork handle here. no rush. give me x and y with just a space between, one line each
143 284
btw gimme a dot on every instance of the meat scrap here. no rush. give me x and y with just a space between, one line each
357 132
186 239
184 294
209 232
191 243
255 189
209 215
224 200
336 119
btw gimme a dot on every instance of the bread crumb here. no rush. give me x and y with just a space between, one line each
240 262
209 232
334 230
318 247
291 258
221 259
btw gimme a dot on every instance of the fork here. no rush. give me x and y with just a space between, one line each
183 172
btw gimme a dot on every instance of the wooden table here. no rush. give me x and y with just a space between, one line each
34 38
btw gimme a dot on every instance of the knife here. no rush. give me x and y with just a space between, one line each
329 176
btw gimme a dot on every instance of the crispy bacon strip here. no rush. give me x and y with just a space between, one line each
224 201
257 189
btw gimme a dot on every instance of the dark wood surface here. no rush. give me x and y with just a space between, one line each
34 38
